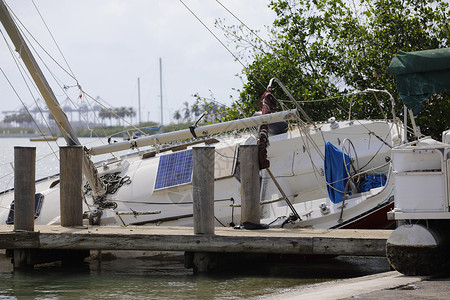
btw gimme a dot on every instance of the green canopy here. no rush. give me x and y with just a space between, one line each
419 74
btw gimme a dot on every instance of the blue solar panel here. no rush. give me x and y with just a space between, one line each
174 169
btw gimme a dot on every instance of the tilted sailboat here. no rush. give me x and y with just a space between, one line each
153 184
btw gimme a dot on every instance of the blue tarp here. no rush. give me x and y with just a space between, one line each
373 181
335 172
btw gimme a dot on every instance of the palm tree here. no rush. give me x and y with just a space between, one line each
177 116
187 112
195 110
9 119
131 113
106 114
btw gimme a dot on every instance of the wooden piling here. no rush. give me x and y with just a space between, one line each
203 189
24 187
71 203
24 190
249 172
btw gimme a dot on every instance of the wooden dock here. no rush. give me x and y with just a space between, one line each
224 240
205 246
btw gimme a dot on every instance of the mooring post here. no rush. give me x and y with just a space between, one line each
249 173
203 208
71 202
24 190
203 189
24 187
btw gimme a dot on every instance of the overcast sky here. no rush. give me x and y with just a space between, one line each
110 43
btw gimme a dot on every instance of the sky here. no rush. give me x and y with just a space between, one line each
109 44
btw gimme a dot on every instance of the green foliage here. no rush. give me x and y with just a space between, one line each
325 48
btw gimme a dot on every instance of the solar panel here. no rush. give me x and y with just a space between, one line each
174 169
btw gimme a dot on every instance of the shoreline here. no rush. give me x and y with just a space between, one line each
387 285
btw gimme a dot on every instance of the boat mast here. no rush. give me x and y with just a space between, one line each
160 88
44 88
139 100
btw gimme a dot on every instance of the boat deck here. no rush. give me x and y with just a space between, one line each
280 241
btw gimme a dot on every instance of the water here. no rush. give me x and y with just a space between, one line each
139 278
168 279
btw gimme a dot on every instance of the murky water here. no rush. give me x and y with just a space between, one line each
132 278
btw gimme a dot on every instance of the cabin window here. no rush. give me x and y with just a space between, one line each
174 169
38 200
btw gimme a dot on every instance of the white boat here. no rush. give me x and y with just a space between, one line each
146 187
420 245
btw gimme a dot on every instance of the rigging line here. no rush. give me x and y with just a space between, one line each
22 71
18 65
232 54
219 221
26 108
365 127
251 30
96 118
228 32
46 66
54 40
110 110
211 100
40 46
76 106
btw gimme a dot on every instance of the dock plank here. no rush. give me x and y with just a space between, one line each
159 238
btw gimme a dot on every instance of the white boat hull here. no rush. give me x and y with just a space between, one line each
297 166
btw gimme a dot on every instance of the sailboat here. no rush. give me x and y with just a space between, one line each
301 188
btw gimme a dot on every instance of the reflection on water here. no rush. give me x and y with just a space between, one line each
153 279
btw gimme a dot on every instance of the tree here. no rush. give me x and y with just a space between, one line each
9 119
106 114
131 113
325 48
195 110
187 111
177 115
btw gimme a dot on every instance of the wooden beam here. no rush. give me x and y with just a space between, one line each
281 241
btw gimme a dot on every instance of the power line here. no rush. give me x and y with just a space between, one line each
215 36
